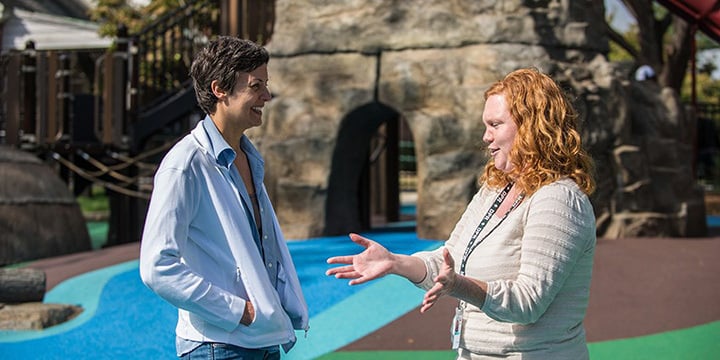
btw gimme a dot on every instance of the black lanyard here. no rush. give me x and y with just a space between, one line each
472 245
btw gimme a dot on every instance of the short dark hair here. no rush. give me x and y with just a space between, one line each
222 60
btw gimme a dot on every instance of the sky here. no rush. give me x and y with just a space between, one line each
622 18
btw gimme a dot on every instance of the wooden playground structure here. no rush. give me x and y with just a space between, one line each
107 116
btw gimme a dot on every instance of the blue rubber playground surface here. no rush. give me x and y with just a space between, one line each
122 319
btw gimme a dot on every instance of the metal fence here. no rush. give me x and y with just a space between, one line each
707 169
709 111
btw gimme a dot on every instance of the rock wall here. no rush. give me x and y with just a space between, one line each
431 61
655 193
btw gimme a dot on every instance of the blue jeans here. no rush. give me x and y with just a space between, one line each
218 351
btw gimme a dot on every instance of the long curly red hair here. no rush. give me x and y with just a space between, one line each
547 146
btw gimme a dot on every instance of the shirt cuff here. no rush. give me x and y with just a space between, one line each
430 272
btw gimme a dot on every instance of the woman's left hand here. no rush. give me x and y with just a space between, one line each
445 282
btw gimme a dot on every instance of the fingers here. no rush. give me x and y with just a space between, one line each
428 302
426 307
448 258
360 240
360 280
340 270
349 275
349 272
430 298
348 259
432 295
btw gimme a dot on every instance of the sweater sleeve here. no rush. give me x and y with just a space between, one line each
559 229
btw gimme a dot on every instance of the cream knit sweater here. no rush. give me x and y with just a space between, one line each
538 265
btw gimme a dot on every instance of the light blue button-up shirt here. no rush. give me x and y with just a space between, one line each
200 248
225 156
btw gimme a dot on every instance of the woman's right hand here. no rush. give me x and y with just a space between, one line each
445 282
374 262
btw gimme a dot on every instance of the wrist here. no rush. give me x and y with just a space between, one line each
469 290
396 267
409 267
456 286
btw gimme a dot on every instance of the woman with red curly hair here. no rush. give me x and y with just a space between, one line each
520 259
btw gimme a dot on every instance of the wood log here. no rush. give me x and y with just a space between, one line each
21 285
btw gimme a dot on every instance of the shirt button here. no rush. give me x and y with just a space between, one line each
269 265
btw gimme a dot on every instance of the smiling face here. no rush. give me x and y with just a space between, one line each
241 108
500 131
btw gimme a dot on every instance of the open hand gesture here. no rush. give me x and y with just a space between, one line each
375 262
445 282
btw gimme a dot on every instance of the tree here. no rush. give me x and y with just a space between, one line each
112 14
668 52
664 41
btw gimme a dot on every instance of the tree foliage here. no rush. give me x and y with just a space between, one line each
664 41
113 14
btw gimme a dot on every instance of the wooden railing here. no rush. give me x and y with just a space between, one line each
163 51
44 105
132 83
160 56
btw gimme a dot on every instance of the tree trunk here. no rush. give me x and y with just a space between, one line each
648 29
679 51
21 285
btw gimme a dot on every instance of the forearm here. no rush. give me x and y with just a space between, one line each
470 290
173 281
409 267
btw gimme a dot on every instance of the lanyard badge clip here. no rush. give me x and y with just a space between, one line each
456 329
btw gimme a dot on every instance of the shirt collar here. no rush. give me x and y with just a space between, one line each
223 153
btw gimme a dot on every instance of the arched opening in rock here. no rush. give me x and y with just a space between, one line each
408 175
364 185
